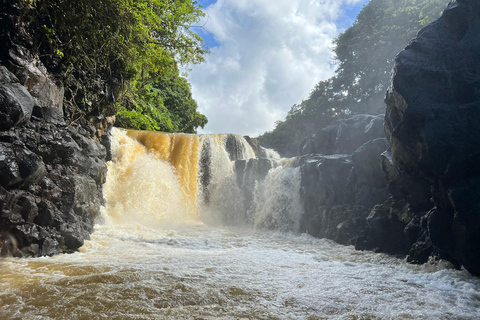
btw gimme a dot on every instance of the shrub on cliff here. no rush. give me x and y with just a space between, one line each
98 45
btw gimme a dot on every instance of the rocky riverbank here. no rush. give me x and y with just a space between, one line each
52 160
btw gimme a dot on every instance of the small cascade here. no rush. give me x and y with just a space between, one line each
220 198
218 192
217 178
277 200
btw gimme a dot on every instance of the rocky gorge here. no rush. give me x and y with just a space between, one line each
412 188
403 183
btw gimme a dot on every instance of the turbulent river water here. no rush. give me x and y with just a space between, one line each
160 252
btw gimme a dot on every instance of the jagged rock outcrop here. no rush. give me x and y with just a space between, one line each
339 191
342 179
432 120
52 165
344 136
50 176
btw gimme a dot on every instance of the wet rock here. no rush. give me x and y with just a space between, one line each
323 187
19 165
16 104
367 186
52 115
386 225
433 112
344 136
6 76
31 72
340 190
52 164
9 171
344 224
308 146
50 173
366 162
255 144
324 179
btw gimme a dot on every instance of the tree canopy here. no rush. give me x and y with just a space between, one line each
365 54
139 45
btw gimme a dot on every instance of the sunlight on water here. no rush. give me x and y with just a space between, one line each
150 258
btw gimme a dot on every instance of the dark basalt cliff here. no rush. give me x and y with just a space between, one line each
52 162
421 197
432 124
341 178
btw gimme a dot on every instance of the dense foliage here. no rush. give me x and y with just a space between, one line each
133 46
365 54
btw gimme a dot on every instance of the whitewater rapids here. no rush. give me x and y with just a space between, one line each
153 257
198 272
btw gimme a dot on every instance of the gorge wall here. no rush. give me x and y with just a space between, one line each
52 161
404 183
432 122
431 207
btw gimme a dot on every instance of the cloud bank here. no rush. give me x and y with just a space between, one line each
270 56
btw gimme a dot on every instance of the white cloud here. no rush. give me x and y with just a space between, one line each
271 55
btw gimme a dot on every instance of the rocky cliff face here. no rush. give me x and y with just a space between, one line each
431 207
52 164
342 179
432 120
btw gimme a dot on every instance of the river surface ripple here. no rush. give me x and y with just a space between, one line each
199 272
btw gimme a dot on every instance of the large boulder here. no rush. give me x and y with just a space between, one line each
16 103
47 91
432 120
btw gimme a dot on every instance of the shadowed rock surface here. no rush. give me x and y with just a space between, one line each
344 136
340 190
52 163
432 124
432 204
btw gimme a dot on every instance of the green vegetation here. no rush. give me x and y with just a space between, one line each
133 47
365 54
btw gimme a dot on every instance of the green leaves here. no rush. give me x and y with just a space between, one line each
135 43
160 102
382 29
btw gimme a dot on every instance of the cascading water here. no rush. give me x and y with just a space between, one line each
277 201
219 195
176 176
152 257
154 175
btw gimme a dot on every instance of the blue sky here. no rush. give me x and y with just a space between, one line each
265 56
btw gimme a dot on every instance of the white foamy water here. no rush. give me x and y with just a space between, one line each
198 272
152 258
277 200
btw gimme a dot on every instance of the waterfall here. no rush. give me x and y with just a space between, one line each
142 187
277 202
219 194
156 178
